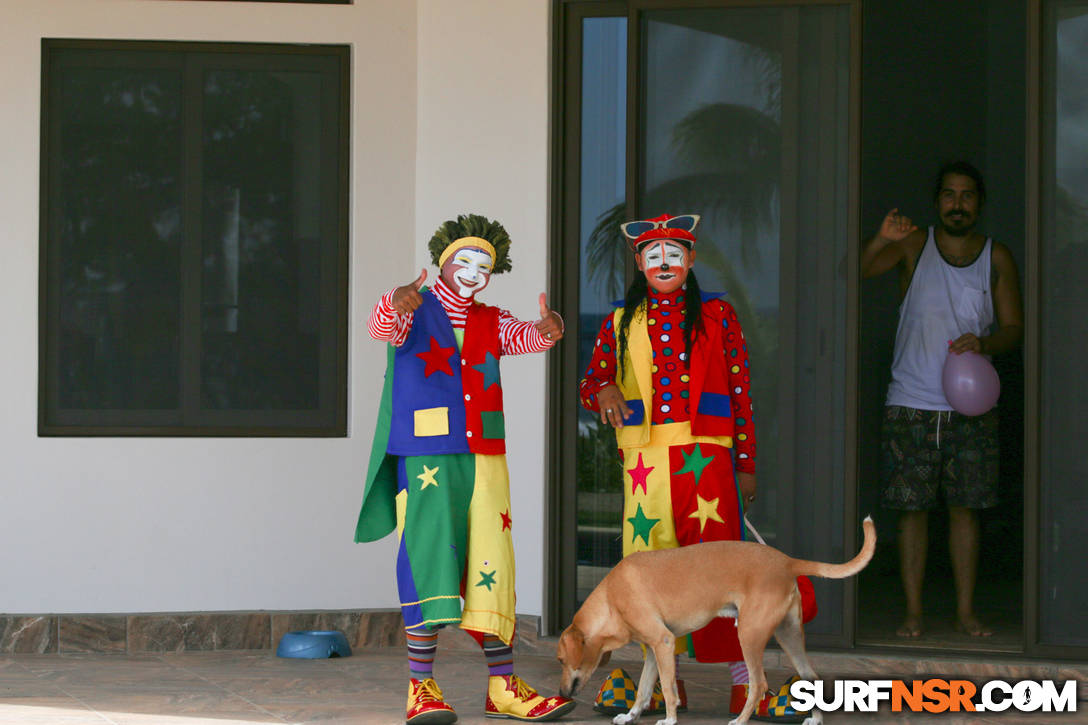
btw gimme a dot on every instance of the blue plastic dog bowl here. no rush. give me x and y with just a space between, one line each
314 645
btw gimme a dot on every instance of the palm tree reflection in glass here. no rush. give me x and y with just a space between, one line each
732 154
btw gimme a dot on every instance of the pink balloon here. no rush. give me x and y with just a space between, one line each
970 383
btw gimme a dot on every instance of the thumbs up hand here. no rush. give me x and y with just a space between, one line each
407 298
550 324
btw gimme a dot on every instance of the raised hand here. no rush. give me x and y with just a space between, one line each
895 226
550 324
892 245
407 298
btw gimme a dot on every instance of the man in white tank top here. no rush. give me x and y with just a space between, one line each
953 282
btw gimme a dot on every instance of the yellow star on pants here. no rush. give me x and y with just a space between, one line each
428 478
707 510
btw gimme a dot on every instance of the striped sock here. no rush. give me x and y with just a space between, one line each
739 671
500 656
422 643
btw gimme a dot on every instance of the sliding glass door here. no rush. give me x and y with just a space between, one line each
743 115
1063 396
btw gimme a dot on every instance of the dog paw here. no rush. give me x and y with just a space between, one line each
735 721
624 718
816 719
667 721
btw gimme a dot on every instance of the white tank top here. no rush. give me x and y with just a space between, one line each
943 302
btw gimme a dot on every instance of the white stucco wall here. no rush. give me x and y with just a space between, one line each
187 524
483 148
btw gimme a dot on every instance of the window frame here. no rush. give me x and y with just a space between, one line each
329 418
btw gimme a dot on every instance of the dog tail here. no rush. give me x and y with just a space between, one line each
841 571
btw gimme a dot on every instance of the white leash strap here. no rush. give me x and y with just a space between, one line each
753 530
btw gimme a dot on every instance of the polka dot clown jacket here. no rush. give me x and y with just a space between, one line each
712 391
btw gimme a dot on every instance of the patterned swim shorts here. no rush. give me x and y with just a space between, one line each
924 452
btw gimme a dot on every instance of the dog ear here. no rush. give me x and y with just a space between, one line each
577 643
571 643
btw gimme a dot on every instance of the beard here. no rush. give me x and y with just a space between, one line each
957 224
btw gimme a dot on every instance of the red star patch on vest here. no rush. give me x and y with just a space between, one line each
436 359
506 520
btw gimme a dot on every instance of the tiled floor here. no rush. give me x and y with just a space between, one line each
368 687
882 607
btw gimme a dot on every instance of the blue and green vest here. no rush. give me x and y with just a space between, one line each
438 397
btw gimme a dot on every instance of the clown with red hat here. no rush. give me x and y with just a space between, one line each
670 373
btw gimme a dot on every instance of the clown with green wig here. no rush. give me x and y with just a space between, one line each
438 472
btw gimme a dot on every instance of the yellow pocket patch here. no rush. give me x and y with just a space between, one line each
432 422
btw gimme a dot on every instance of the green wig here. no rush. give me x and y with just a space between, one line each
473 225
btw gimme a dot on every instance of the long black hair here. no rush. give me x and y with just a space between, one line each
691 324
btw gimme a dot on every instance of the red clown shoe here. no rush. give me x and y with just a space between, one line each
425 704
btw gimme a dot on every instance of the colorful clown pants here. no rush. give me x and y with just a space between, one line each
454 542
680 490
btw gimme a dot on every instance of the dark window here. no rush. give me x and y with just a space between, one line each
194 239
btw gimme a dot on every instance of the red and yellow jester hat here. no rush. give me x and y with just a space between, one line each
679 229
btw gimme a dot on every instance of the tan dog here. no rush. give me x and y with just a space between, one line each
653 597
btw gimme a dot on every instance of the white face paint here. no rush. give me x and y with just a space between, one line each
658 254
665 265
468 271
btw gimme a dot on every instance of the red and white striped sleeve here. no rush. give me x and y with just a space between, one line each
386 324
517 337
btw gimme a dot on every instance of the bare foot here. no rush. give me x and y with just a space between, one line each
970 625
911 627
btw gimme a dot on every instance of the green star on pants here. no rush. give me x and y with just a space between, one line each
642 525
695 463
